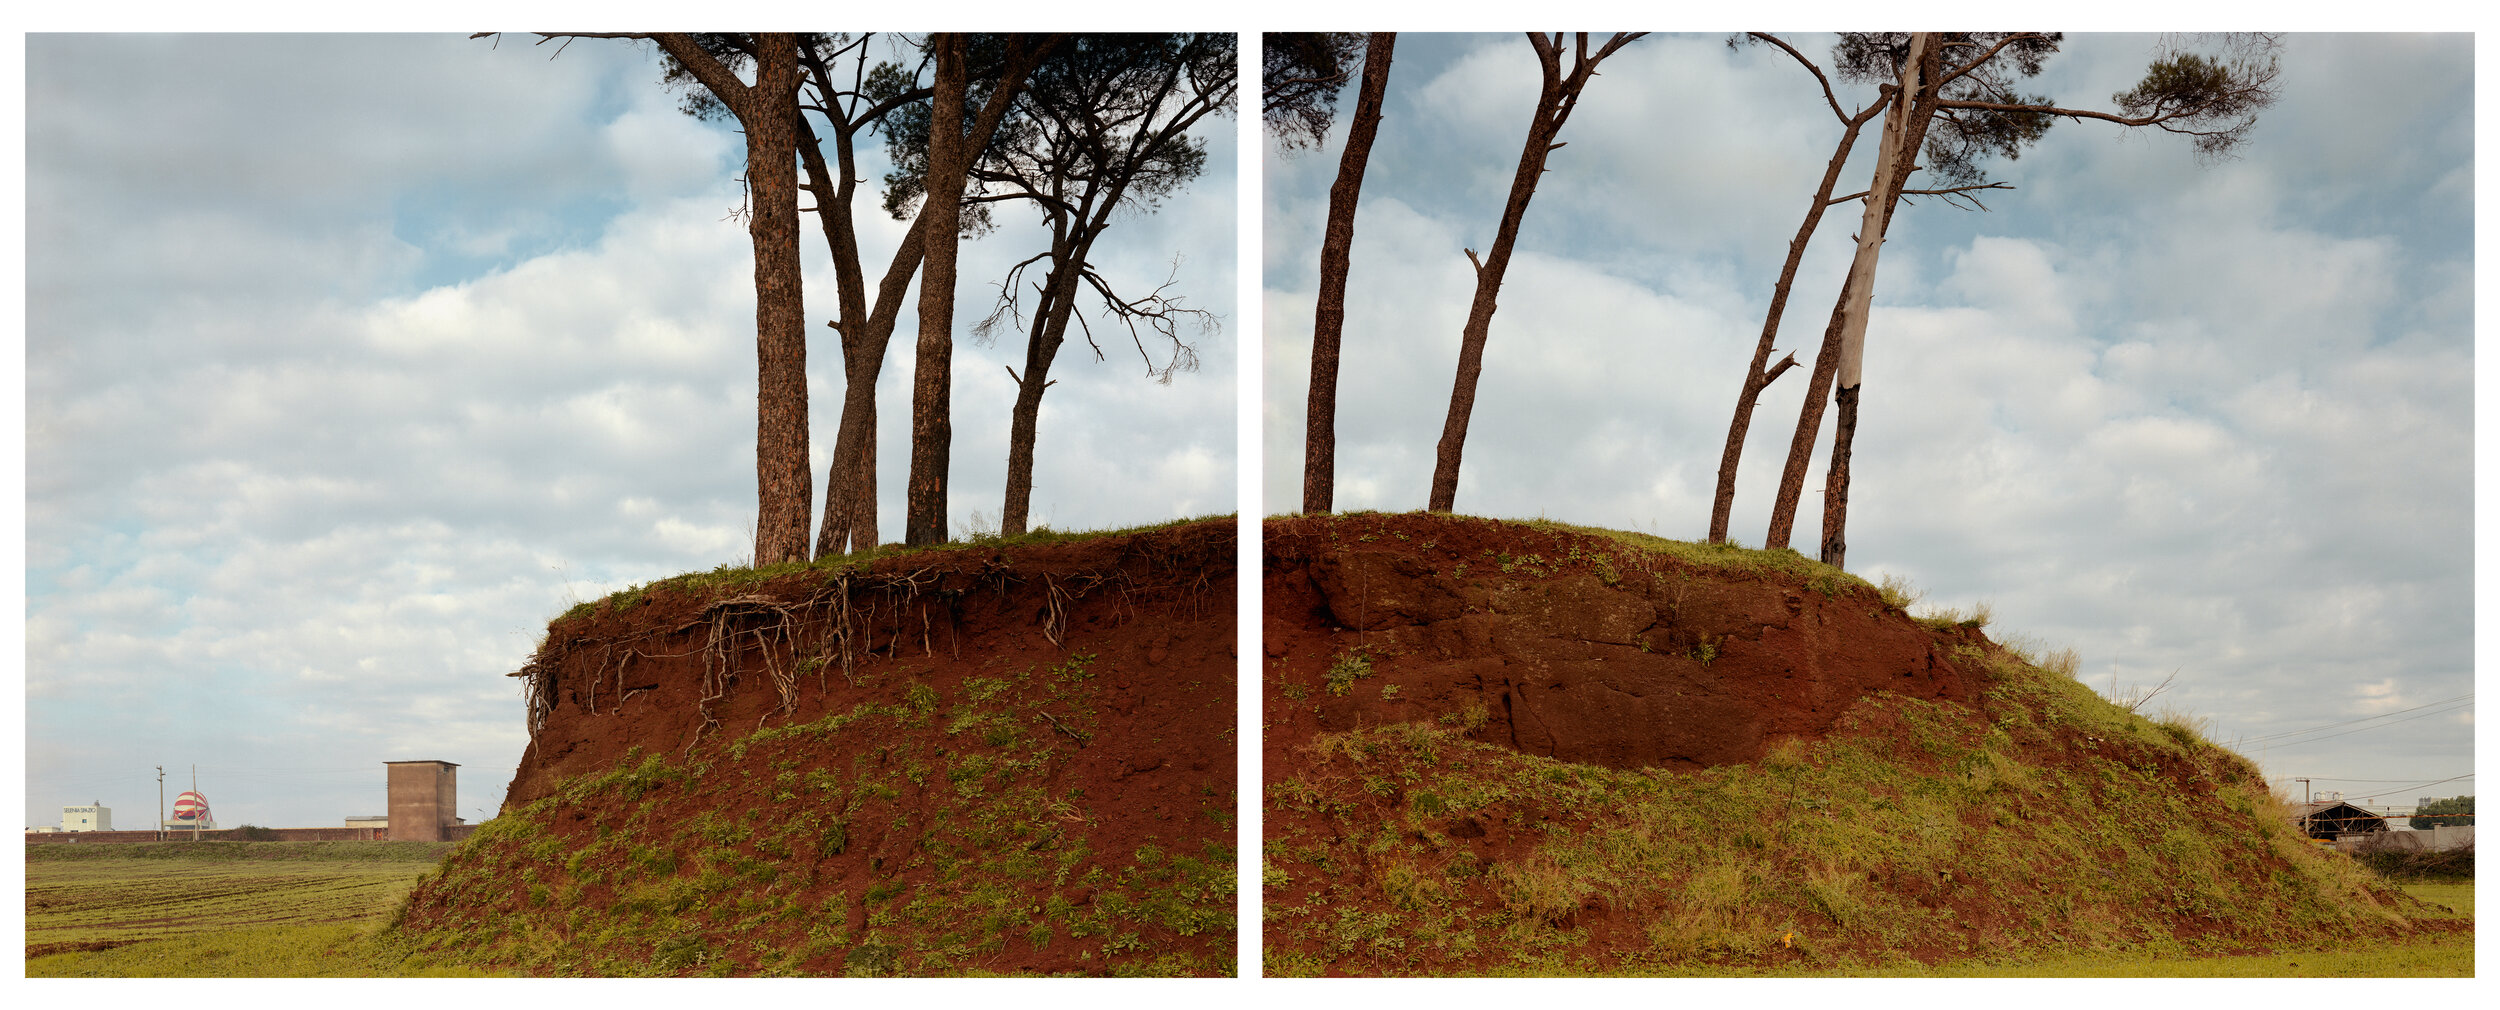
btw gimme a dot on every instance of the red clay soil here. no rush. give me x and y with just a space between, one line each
1694 668
690 673
1156 607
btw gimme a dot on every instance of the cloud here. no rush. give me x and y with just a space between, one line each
2212 419
337 393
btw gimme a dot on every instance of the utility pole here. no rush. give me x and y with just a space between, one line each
160 803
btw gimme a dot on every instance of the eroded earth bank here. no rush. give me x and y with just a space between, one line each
987 758
1499 747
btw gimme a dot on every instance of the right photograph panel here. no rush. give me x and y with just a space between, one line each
1916 503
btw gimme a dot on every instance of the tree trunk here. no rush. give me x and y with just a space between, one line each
1758 374
1319 441
851 492
951 151
932 426
1809 427
1917 88
1555 99
769 112
1050 330
1836 480
833 211
1892 167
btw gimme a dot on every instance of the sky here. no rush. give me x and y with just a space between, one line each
352 360
2210 419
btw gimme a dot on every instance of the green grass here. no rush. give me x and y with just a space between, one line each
273 909
1784 561
298 951
2457 895
2041 821
2446 957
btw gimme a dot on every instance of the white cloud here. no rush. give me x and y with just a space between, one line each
2211 419
313 456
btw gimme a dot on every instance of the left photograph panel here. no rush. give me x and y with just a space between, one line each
631 504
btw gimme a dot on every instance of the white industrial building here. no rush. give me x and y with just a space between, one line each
92 817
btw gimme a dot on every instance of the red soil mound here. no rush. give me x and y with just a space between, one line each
913 701
1156 607
1639 661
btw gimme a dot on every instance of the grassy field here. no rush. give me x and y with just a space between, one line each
207 909
307 910
2442 957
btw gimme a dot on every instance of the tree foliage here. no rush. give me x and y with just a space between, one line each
2451 812
1300 77
1978 67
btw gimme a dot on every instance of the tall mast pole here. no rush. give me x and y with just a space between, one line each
160 803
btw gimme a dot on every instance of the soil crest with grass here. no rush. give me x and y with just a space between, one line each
1504 747
1009 757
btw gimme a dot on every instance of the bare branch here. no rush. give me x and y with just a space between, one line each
1772 374
1161 313
1948 193
1008 310
1828 97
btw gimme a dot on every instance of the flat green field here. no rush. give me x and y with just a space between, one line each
312 909
199 909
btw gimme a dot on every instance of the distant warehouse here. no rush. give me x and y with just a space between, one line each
2329 819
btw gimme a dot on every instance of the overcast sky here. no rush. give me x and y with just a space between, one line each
2212 419
352 360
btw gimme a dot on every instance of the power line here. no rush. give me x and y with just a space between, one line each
2417 785
2365 729
2467 697
2367 718
2322 778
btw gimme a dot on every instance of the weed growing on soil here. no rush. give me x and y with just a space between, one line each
1942 618
1353 666
1816 575
1898 593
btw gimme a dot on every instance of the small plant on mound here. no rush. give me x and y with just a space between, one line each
1942 618
255 833
1897 592
1354 665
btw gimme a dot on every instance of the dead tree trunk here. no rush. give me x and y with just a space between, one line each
1903 129
1559 94
1918 90
1319 440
